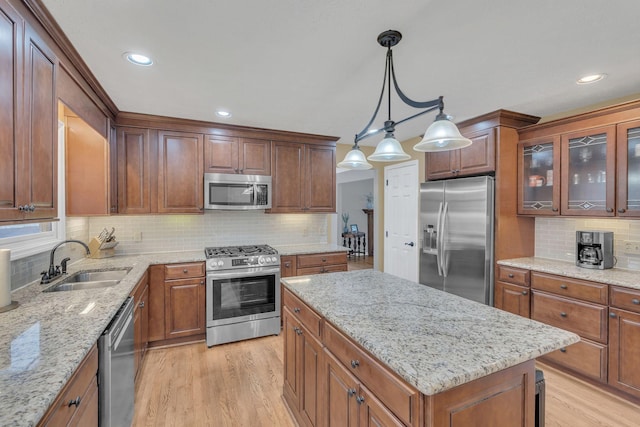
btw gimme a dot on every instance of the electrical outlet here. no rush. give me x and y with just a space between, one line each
137 236
631 247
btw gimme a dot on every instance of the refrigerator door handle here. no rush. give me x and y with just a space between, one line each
438 245
443 263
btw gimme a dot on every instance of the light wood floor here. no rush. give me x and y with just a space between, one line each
240 385
359 263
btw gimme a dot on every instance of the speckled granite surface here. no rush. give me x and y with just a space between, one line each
612 276
308 249
43 341
434 340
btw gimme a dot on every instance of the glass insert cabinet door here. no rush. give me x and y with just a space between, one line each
588 172
538 178
628 157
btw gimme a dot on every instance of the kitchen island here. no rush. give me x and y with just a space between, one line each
406 354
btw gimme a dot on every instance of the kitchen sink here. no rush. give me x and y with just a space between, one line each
89 280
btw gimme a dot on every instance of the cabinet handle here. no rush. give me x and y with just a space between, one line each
612 315
636 301
525 292
622 210
324 260
141 305
563 350
360 400
298 331
202 282
355 363
609 210
563 314
185 271
296 310
554 209
75 402
351 392
287 265
510 275
563 286
32 207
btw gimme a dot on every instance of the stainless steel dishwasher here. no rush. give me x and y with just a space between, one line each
116 369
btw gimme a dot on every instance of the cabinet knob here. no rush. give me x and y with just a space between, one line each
287 265
525 292
355 363
554 209
141 305
185 271
563 349
510 275
351 392
622 210
296 310
612 315
75 402
360 400
298 330
609 210
563 286
202 282
563 314
636 301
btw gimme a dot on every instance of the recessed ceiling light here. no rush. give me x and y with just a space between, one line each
223 113
138 59
591 78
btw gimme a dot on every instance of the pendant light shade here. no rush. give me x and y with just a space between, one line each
389 150
442 135
355 160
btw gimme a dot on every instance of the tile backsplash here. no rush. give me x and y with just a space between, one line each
173 233
556 238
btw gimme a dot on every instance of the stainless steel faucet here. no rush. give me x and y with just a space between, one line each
54 270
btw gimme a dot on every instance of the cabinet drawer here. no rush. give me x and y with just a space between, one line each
183 271
324 269
516 276
308 317
586 320
79 386
585 357
625 298
317 260
574 288
401 399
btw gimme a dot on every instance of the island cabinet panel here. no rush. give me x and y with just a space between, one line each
392 391
585 357
309 318
77 403
180 172
502 399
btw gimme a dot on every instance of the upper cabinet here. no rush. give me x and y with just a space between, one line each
585 165
28 131
478 158
224 154
304 178
134 175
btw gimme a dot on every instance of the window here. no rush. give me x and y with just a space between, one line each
30 239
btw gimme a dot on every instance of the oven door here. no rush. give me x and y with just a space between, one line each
242 295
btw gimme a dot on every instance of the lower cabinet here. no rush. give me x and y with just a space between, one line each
512 298
176 301
624 348
140 296
77 403
300 265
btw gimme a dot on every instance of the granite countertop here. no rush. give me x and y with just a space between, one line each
611 276
434 340
309 249
43 341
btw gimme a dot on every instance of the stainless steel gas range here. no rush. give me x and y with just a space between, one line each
243 293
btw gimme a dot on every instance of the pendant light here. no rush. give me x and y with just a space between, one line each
442 135
355 160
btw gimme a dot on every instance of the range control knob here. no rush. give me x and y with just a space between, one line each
261 260
220 263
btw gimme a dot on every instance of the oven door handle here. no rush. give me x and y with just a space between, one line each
259 271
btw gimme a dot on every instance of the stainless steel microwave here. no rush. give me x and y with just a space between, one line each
236 192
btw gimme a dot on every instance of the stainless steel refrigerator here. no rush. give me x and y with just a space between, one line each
456 221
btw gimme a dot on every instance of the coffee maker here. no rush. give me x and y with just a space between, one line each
594 249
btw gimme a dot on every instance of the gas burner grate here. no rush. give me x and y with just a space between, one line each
239 251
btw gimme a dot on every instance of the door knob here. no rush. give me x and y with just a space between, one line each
410 244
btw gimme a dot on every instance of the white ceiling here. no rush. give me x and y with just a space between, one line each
315 66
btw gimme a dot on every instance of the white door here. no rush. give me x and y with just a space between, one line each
401 192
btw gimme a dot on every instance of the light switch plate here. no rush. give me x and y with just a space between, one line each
632 247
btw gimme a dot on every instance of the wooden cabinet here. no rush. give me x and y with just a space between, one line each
29 125
478 158
304 178
176 302
134 170
512 292
77 403
180 175
140 296
624 340
628 169
300 265
226 154
288 266
539 176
